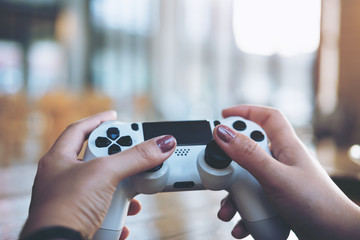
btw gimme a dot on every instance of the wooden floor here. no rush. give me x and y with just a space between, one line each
172 216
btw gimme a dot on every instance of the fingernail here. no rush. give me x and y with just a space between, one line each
166 143
222 202
225 133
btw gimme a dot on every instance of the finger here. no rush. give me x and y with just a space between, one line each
72 139
141 157
278 129
227 210
247 153
134 208
124 233
240 231
272 120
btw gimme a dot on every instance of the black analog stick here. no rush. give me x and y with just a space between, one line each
215 157
155 169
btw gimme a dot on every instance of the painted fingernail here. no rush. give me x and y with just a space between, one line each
225 133
166 143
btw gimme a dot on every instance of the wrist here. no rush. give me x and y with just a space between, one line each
39 220
53 233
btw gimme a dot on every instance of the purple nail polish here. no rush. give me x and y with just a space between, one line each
225 133
166 143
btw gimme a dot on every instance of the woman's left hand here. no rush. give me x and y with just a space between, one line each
75 194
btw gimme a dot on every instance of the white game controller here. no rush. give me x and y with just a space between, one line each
197 164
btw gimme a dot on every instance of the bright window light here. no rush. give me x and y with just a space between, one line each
197 23
11 66
46 67
132 16
286 27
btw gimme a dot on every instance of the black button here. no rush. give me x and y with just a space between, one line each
154 169
257 136
215 157
188 184
216 122
102 142
113 133
114 149
135 126
239 125
125 141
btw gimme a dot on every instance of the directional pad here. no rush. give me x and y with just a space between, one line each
113 133
125 141
102 142
113 141
114 149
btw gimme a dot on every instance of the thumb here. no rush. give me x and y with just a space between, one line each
141 157
247 153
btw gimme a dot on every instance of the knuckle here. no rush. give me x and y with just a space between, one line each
57 155
44 162
50 158
72 126
100 165
249 155
146 153
271 117
277 113
249 148
273 111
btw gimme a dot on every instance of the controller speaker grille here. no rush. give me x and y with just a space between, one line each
182 152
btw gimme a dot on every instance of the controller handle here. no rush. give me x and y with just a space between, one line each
115 218
259 216
218 172
149 182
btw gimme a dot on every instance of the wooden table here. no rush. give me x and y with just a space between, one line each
173 216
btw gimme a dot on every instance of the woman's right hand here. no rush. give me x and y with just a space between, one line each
295 182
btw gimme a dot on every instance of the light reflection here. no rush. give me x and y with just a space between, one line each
278 26
131 16
11 66
354 153
47 69
329 58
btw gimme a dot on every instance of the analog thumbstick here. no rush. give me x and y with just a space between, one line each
155 169
215 157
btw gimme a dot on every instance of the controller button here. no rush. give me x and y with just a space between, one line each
135 126
216 122
114 149
102 142
215 157
239 125
125 141
113 133
257 136
154 169
188 184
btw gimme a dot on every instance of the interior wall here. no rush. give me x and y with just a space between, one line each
339 72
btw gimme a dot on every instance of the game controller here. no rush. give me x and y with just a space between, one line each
197 164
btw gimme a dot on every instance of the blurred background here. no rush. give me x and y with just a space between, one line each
154 60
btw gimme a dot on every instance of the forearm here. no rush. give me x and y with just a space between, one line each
339 220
